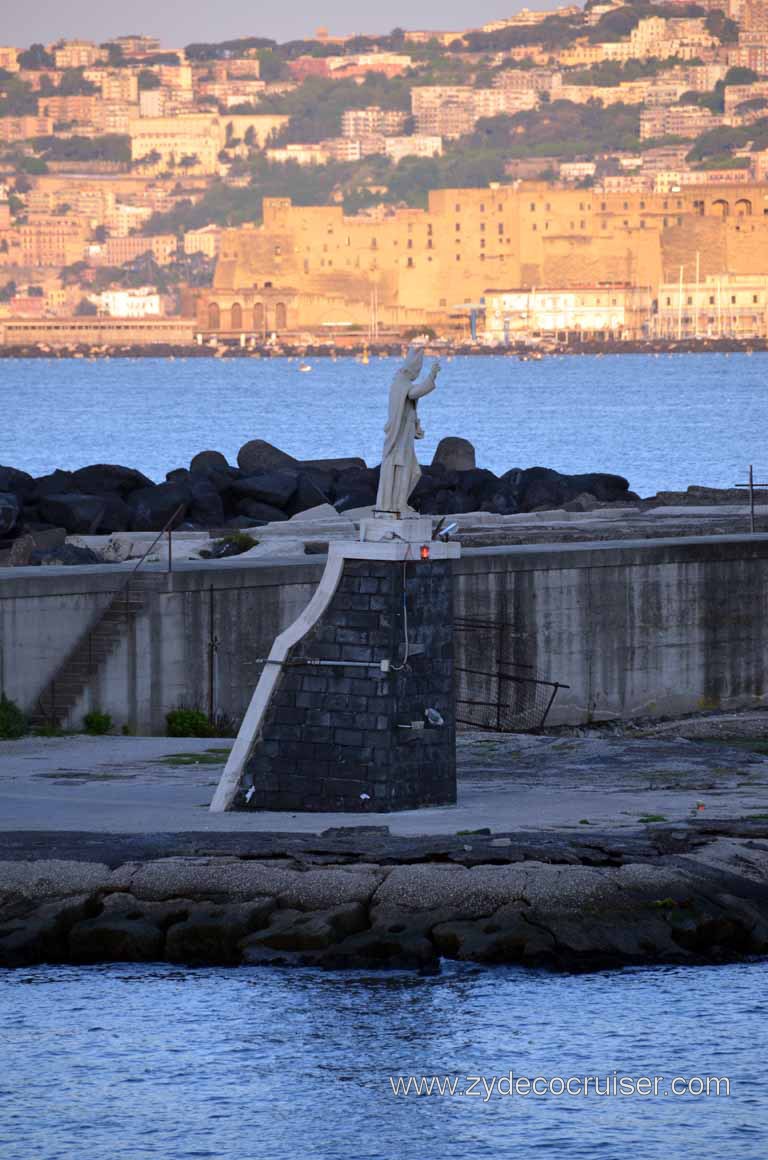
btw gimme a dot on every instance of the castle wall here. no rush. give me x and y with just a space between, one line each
522 235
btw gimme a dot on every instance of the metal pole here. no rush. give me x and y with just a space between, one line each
211 653
170 550
751 499
499 667
550 703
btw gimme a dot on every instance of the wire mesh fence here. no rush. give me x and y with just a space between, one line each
493 692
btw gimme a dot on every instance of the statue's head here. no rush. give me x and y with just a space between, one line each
413 363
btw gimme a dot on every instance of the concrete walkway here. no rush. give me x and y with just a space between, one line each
151 784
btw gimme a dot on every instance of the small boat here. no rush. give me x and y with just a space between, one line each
304 367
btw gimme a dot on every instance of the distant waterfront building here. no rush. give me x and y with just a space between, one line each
599 310
723 305
140 303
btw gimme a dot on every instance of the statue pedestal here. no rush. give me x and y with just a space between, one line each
408 529
354 710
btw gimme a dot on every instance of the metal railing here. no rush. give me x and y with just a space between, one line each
493 691
88 639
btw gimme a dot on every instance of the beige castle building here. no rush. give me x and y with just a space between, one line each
314 269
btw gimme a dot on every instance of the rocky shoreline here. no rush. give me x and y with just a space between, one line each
358 897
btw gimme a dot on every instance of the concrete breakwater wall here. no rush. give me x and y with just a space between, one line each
651 627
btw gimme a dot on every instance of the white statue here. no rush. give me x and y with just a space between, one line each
400 471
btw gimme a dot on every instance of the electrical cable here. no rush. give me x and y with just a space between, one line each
406 644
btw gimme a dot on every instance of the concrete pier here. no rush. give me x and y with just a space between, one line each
561 851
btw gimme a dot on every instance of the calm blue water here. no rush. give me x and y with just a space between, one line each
664 422
135 1062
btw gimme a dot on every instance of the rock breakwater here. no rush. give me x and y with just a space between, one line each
357 897
265 486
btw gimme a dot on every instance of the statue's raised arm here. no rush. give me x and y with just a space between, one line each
400 471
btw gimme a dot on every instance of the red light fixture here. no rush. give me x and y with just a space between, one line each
425 551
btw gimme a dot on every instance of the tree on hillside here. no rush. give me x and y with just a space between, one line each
149 80
74 84
115 55
719 25
316 106
616 24
228 49
560 129
740 76
36 57
114 147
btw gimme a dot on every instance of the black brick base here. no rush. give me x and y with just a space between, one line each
336 737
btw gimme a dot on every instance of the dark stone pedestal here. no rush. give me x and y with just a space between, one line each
339 737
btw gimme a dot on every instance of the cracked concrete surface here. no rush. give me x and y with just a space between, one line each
506 782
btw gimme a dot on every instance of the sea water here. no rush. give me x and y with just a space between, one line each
663 421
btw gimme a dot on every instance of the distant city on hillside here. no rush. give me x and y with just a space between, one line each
595 173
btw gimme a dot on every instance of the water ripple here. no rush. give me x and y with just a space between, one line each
132 1063
664 421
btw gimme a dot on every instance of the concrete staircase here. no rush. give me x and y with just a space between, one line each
76 672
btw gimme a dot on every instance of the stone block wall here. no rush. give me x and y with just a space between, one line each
338 736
